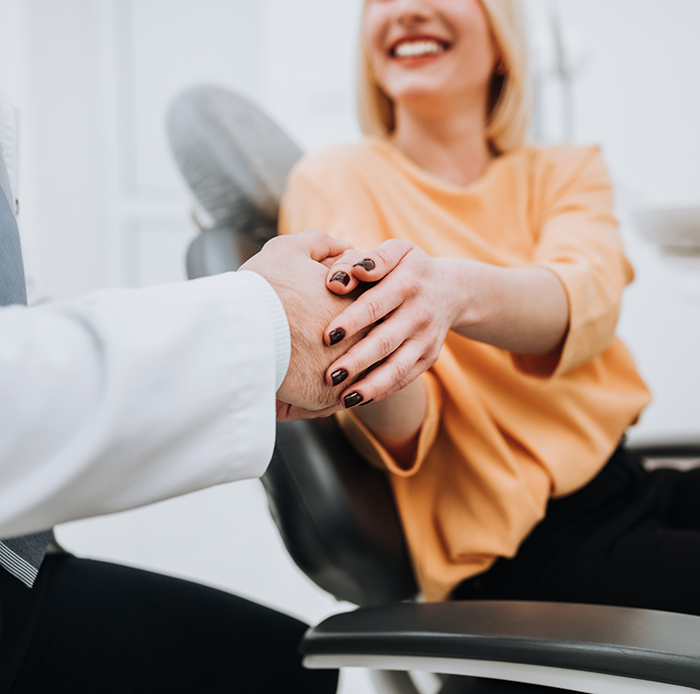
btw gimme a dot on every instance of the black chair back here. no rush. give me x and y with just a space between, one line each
336 515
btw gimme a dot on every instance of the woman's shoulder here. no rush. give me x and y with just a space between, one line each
562 161
554 169
560 157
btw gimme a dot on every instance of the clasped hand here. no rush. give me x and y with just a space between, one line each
409 306
348 350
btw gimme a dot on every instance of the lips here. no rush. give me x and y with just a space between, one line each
418 47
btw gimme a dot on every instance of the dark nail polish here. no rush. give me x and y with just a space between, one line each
339 376
352 399
367 403
341 277
366 263
336 335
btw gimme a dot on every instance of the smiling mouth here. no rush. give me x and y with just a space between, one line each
418 48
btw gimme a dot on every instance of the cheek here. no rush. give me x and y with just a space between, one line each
476 31
375 29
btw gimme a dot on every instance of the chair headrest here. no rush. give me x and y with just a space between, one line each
234 158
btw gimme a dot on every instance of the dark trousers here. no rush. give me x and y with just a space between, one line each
629 538
90 626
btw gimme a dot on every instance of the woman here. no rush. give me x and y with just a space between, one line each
504 260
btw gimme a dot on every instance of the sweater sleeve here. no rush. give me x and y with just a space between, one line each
369 447
580 244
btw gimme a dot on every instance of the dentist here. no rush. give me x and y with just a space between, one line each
123 398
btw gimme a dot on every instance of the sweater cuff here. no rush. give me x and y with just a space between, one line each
369 447
591 325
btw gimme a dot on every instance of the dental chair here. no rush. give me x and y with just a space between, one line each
336 513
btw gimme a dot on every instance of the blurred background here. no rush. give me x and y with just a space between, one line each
102 204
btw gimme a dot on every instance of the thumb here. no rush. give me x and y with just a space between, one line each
318 245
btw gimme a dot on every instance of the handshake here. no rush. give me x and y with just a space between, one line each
336 327
297 268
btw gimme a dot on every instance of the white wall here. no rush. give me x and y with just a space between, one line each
639 97
101 203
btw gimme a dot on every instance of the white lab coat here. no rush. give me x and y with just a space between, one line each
126 397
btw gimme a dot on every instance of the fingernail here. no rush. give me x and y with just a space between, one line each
336 335
366 263
339 376
341 277
352 399
367 403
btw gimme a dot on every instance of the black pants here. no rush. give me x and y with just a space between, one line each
91 627
629 538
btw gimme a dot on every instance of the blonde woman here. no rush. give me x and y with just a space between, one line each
500 271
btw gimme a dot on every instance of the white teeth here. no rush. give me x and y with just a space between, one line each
413 49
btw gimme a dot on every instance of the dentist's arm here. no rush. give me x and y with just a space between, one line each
126 397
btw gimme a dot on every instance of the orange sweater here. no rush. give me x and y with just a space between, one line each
503 432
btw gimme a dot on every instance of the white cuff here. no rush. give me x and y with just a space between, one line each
280 329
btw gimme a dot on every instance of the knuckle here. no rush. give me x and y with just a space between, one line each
384 345
429 343
373 307
423 316
353 365
408 286
432 356
400 385
400 246
383 255
401 369
273 242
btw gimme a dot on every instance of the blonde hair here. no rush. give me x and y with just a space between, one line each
508 117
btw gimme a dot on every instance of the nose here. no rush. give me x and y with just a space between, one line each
411 12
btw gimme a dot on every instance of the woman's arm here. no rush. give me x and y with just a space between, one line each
524 310
396 421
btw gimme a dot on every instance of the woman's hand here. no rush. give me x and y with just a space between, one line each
411 308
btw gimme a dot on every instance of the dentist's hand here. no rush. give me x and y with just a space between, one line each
293 265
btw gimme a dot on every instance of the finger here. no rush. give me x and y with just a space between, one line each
328 262
366 310
340 279
401 369
372 266
318 245
377 345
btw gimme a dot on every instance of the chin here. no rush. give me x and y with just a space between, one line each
418 96
410 88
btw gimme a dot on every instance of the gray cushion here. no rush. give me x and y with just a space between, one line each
233 157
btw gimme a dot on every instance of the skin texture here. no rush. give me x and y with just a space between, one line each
293 265
440 108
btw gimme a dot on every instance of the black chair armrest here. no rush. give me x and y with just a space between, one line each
522 641
674 449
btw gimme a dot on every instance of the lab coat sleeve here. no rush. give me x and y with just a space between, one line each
127 397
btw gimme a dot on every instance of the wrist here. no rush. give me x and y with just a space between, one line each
463 279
